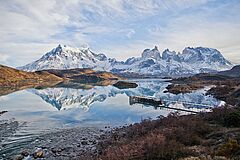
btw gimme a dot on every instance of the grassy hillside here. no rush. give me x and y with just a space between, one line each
81 75
13 77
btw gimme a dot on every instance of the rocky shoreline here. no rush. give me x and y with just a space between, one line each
69 144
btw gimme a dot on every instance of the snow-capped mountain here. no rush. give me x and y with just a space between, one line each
65 57
169 63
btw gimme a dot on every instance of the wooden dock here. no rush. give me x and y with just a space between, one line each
145 100
156 103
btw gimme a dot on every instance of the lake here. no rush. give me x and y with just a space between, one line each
43 110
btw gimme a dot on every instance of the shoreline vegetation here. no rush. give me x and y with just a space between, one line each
224 88
203 136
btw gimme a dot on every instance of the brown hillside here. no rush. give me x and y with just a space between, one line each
79 74
13 77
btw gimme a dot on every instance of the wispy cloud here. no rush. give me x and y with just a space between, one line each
122 28
3 58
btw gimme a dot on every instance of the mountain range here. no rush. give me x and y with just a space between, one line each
168 63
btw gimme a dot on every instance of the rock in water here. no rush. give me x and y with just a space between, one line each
125 85
39 153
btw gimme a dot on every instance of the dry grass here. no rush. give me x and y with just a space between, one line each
184 88
13 77
175 137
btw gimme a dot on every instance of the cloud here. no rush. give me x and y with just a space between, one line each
122 28
122 52
3 58
205 30
130 33
22 53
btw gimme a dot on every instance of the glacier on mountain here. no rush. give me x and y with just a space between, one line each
152 62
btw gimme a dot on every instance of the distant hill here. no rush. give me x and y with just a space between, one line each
13 77
83 75
12 80
234 72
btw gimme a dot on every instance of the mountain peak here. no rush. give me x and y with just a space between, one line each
166 50
155 48
204 54
169 52
154 53
58 50
61 46
84 46
200 49
168 55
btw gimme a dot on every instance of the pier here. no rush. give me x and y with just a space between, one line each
157 103
145 100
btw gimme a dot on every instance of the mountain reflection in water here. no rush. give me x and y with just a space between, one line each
99 105
66 98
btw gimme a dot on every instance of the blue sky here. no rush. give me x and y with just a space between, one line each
118 28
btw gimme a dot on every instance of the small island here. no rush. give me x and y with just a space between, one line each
125 85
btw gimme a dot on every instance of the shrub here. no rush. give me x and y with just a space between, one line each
169 150
151 147
229 149
175 137
227 117
233 119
